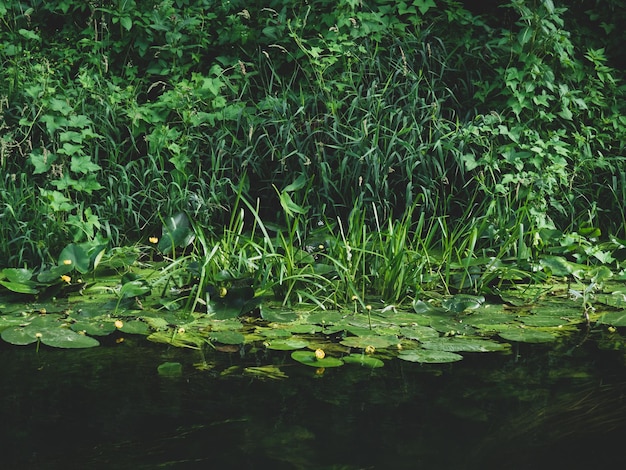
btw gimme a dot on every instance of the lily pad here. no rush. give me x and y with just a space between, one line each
308 358
461 344
278 315
429 357
227 337
94 328
287 344
614 318
419 332
378 342
363 360
527 335
135 327
325 318
19 335
170 369
65 338
462 302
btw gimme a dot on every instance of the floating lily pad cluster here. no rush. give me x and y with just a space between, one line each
435 331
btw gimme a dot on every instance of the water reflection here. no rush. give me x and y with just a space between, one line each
108 407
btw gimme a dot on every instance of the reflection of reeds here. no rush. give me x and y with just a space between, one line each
599 409
592 412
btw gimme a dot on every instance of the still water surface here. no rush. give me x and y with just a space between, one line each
107 407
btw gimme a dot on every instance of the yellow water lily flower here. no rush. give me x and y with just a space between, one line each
369 349
320 354
119 323
66 278
67 262
153 239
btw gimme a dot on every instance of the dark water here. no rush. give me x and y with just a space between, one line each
543 406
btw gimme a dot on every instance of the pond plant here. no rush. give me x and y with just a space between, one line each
345 181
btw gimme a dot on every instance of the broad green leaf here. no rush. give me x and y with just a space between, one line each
286 344
19 335
308 358
227 337
462 344
429 357
76 256
176 232
527 335
83 164
19 288
60 337
614 318
363 342
290 207
94 328
462 302
134 289
170 369
17 275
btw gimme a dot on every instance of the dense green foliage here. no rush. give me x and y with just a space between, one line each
421 135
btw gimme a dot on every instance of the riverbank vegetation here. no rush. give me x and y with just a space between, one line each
336 154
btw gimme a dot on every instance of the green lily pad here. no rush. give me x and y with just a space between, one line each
227 337
378 342
308 358
17 275
540 320
179 340
19 335
363 360
287 344
527 335
170 369
419 332
19 287
614 318
324 318
462 302
135 327
278 315
429 357
54 273
94 328
76 257
461 344
66 338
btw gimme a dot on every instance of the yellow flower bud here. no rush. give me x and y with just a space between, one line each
320 354
119 323
153 240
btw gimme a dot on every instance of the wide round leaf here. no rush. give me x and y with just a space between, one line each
287 344
461 344
527 335
308 358
19 335
227 337
429 357
65 338
94 328
170 369
363 342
